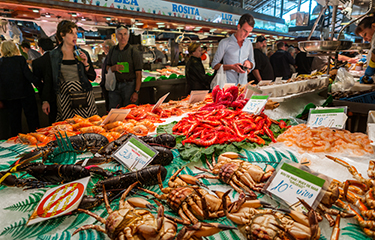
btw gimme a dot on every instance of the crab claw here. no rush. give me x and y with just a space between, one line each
191 180
141 203
200 230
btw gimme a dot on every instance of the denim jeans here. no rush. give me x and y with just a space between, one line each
121 96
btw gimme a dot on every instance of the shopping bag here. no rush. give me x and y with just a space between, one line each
110 80
220 78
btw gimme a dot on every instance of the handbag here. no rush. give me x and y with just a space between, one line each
110 80
219 79
78 99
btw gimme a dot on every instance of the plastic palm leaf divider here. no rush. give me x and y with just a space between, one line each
64 153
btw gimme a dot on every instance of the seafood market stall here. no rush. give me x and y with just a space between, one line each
200 144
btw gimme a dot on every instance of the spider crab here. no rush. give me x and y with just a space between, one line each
239 174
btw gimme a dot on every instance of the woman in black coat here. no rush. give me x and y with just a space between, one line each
16 91
194 71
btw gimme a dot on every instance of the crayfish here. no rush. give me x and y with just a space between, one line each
257 223
241 175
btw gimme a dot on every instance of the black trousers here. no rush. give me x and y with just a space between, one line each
14 107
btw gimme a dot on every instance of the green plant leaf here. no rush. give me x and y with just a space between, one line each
27 205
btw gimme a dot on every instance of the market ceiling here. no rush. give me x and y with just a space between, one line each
55 11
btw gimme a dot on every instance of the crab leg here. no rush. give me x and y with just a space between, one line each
122 200
85 227
190 215
336 229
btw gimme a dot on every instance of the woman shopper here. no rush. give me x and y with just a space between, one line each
195 74
16 91
71 71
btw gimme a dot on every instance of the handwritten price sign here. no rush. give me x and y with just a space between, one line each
256 104
291 183
327 117
135 154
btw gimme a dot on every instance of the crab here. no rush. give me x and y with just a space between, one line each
239 174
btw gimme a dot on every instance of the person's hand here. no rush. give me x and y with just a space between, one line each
238 67
134 97
84 58
117 68
248 65
46 107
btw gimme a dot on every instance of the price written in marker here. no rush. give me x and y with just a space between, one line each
291 183
135 154
327 117
256 104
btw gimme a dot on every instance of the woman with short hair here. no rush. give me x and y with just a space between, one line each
72 71
194 71
16 91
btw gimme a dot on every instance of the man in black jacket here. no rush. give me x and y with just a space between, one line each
280 61
263 68
41 68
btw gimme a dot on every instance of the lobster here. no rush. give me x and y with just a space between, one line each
165 140
81 142
9 180
147 176
57 173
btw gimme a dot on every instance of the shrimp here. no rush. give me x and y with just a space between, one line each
40 137
119 129
92 129
129 128
27 139
140 130
82 124
115 135
108 135
321 146
94 118
109 126
150 126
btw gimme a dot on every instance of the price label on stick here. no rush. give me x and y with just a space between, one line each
294 75
313 72
256 104
160 101
135 154
291 183
250 91
116 115
278 80
327 117
197 96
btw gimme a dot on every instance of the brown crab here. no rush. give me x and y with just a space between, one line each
241 175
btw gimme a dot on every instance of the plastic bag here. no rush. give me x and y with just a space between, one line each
110 80
220 78
344 81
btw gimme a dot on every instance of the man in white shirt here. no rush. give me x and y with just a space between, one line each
237 52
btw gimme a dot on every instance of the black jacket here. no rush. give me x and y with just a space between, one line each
280 61
195 75
15 78
42 70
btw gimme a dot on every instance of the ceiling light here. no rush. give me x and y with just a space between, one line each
196 29
281 37
286 38
139 23
266 35
180 28
48 15
35 10
83 19
160 23
206 33
161 26
213 30
292 38
224 32
74 14
108 18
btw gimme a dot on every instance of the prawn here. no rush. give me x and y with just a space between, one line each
140 130
92 129
27 139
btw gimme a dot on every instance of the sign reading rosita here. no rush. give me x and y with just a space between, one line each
185 9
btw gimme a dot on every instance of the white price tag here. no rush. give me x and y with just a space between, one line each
256 104
291 183
116 115
135 154
160 101
278 80
294 75
313 72
327 117
250 91
59 201
197 96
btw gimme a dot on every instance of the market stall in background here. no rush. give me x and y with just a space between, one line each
285 158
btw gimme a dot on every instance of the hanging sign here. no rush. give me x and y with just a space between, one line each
59 201
135 154
256 104
327 117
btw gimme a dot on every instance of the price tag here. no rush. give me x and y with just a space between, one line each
116 115
278 80
59 201
228 85
256 104
291 183
135 154
250 90
197 96
327 117
160 101
313 72
294 75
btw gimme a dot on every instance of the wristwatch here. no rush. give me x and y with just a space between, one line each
137 92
